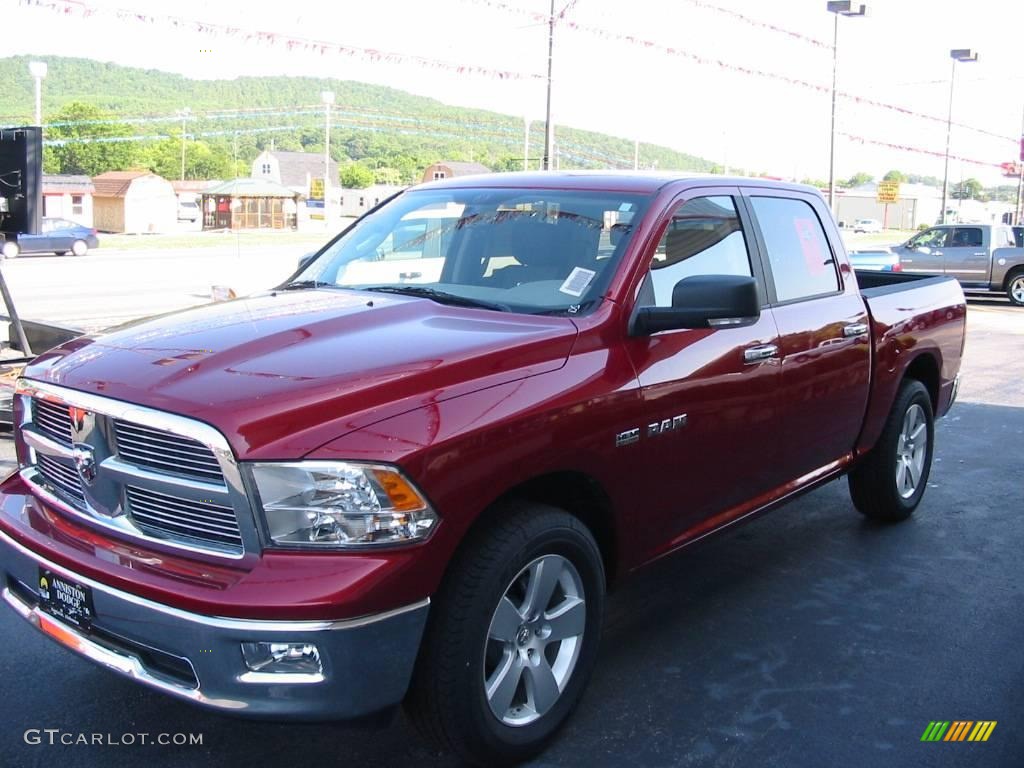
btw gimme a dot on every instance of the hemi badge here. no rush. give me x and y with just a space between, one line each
628 437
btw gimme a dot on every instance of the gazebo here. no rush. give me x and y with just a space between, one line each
249 204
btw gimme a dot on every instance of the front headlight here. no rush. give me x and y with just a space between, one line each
340 504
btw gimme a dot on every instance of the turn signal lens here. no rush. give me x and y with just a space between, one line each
403 497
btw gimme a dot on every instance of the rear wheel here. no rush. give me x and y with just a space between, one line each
10 249
889 482
1015 288
79 248
512 638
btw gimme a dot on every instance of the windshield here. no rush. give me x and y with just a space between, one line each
520 250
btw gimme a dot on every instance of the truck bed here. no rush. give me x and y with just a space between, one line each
875 283
917 321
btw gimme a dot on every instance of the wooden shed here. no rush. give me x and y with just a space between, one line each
134 201
249 204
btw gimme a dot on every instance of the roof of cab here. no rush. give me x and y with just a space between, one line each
641 182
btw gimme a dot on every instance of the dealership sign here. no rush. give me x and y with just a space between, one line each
888 192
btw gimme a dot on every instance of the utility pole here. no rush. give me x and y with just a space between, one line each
234 156
183 114
549 132
526 143
636 154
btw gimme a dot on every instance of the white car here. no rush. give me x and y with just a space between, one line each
867 225
188 210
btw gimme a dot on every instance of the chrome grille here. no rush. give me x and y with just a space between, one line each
166 452
62 477
167 515
151 474
53 420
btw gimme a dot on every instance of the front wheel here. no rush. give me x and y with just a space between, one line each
10 249
1015 289
889 482
512 638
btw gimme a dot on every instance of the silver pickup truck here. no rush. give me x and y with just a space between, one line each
983 257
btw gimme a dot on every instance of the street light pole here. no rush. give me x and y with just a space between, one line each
838 8
327 97
958 55
183 114
38 71
1020 179
549 128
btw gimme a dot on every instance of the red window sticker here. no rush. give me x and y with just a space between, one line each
806 229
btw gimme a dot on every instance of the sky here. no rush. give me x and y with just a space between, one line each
694 101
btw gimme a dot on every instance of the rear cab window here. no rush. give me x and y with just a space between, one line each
802 263
967 237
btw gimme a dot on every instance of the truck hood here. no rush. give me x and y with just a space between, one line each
282 373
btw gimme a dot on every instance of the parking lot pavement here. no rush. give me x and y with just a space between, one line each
809 637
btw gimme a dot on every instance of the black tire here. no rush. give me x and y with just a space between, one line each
873 482
1015 287
447 699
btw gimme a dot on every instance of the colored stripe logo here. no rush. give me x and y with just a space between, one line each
958 730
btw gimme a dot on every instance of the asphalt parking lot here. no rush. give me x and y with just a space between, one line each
809 637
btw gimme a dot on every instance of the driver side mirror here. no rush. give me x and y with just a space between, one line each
702 301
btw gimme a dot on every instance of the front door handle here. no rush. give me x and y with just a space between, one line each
855 329
757 354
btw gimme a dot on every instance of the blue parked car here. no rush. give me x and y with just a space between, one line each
58 236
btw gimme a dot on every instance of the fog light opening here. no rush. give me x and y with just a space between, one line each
282 658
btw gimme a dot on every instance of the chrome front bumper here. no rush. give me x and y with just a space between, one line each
367 662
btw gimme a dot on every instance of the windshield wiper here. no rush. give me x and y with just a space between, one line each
300 284
441 297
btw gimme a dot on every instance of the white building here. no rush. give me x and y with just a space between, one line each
68 197
918 204
356 202
294 170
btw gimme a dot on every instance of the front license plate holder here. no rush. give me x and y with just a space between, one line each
66 599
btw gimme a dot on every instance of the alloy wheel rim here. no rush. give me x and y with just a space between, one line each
1017 290
911 450
534 639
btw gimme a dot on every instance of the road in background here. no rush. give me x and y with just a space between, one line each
111 285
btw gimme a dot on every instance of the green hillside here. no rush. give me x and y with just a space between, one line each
114 117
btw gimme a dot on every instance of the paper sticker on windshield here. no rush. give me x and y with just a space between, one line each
577 281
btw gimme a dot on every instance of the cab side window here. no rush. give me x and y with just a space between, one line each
704 237
802 262
932 238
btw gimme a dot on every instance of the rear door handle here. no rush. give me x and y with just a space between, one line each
855 329
763 352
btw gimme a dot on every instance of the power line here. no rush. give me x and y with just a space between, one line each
291 42
676 51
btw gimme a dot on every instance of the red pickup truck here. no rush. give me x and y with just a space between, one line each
410 473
